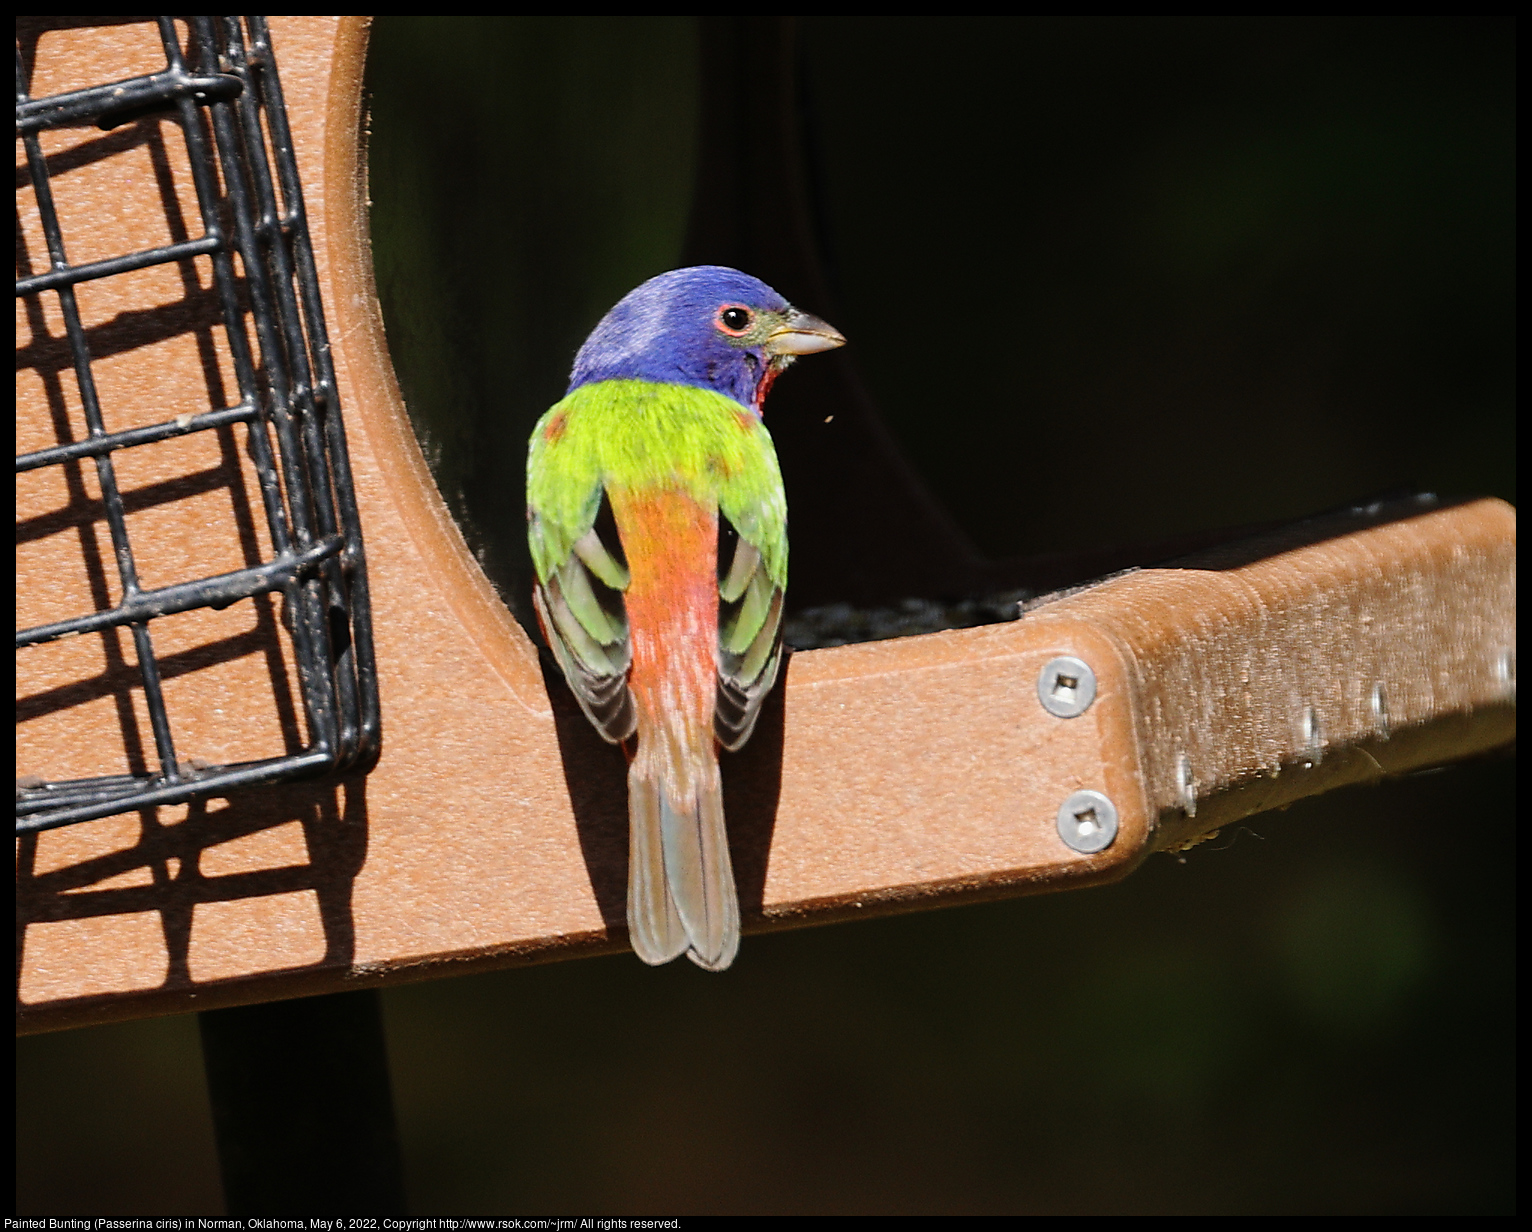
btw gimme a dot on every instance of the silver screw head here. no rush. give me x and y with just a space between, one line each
1088 822
1066 687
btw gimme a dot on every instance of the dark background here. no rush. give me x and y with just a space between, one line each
1245 269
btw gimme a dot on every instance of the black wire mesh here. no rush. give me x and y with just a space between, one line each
227 96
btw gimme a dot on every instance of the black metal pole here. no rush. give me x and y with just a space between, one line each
302 1107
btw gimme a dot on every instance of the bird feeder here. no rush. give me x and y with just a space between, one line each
278 735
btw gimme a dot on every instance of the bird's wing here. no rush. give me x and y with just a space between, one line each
752 579
581 576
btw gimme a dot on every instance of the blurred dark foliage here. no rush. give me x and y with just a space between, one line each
1108 279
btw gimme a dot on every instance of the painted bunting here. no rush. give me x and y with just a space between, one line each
658 529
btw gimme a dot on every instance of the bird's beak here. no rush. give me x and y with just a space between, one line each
801 334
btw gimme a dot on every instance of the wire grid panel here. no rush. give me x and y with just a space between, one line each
251 270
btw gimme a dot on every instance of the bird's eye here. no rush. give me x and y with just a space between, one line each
734 319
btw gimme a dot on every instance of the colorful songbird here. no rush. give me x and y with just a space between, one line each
658 529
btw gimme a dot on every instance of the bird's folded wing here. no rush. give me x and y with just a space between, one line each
749 635
579 601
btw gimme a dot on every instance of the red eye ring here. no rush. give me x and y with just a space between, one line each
734 320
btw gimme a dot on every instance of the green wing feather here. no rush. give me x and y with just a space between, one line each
579 603
639 435
749 636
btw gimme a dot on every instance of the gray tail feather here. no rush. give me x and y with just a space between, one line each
681 894
654 925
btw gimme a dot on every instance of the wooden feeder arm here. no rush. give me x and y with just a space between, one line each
886 776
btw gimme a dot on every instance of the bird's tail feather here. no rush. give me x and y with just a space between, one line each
654 925
681 894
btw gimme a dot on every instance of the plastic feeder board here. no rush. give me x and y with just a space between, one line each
200 822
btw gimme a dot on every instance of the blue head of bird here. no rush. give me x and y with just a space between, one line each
706 325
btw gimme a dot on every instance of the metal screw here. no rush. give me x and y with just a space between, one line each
1380 710
1088 822
1066 687
1186 784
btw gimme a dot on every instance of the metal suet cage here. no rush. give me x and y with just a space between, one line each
220 84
